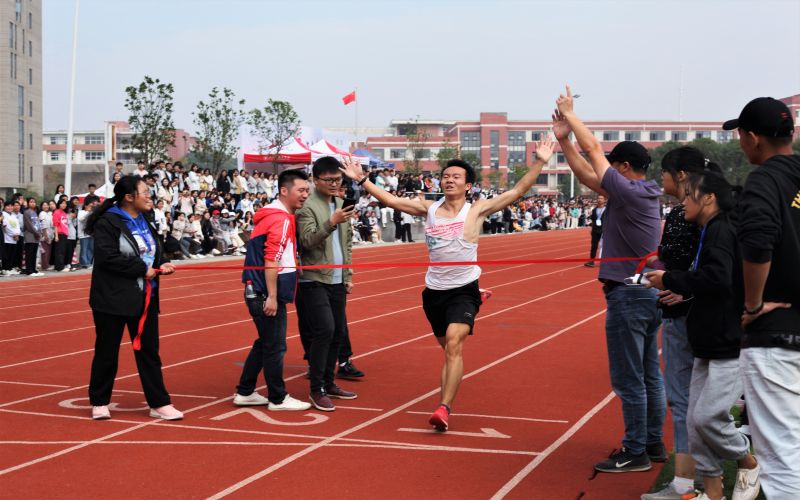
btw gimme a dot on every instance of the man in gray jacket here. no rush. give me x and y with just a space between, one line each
30 222
324 239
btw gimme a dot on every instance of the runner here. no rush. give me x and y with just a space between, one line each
452 298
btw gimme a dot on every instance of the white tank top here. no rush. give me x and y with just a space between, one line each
446 243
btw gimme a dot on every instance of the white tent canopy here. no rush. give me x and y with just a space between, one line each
325 148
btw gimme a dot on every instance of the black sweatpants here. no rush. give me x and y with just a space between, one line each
9 250
30 257
595 242
60 252
109 329
322 323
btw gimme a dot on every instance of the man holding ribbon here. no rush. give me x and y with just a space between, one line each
124 292
452 298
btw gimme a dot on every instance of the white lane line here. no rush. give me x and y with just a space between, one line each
288 460
313 447
526 419
502 492
32 383
171 394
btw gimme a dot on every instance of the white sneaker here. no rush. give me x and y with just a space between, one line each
747 483
254 399
215 252
100 413
36 274
703 496
289 404
65 270
167 412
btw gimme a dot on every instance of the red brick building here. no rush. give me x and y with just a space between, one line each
501 144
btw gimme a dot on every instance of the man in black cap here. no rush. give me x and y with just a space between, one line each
631 228
769 235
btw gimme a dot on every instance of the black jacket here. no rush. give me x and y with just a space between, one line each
769 230
677 251
593 217
118 272
715 312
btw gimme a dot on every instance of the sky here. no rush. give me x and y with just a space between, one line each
435 59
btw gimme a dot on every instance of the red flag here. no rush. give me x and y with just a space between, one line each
351 97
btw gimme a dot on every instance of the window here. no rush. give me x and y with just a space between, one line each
494 144
30 141
30 109
30 75
30 20
724 136
516 139
30 47
94 139
422 154
560 158
23 42
20 100
21 134
94 155
11 31
19 10
633 135
679 135
21 168
55 156
30 170
13 61
397 154
610 135
470 140
542 180
537 136
658 136
702 134
516 157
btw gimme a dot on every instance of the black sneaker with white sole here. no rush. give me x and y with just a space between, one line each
624 461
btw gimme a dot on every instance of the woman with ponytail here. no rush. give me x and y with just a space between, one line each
714 285
124 292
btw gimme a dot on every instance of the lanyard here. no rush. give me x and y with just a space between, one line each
699 249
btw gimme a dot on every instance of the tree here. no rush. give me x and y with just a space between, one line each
218 122
517 173
494 178
728 155
796 147
416 144
150 120
275 125
446 153
475 162
564 181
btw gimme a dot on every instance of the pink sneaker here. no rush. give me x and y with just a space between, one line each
167 412
439 418
100 413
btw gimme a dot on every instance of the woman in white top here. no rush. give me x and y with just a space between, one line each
451 299
193 178
207 180
46 227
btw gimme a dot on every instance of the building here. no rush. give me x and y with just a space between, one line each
20 95
501 144
93 150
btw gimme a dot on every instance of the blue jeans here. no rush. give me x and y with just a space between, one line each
87 251
632 323
267 353
678 362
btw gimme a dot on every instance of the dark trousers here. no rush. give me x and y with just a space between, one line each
30 257
60 252
9 251
345 349
595 242
322 323
18 253
398 230
109 329
267 353
70 252
406 233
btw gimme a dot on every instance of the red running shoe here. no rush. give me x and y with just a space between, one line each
439 418
485 294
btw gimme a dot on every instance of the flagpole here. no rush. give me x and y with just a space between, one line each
355 131
68 166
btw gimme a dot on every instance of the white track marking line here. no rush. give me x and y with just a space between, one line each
288 460
526 419
32 383
171 394
502 492
311 448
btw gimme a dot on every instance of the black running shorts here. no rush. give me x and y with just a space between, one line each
457 305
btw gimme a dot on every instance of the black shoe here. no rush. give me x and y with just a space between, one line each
589 264
624 461
347 370
657 452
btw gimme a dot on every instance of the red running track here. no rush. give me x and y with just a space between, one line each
535 410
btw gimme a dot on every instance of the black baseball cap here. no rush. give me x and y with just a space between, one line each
632 152
764 116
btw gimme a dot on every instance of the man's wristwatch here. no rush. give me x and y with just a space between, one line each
754 311
363 180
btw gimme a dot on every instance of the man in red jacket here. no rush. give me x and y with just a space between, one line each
272 249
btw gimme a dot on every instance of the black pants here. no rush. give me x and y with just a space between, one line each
20 250
398 230
595 242
345 349
267 352
71 244
30 257
406 233
60 252
9 251
322 323
109 329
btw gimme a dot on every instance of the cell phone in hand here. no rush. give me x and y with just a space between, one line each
348 202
